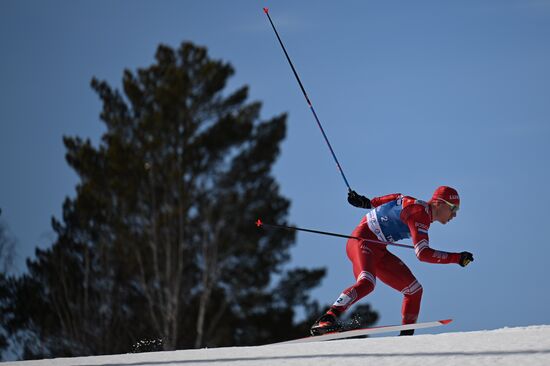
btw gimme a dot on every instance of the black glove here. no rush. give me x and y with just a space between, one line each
466 258
357 200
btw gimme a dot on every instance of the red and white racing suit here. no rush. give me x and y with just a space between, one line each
394 217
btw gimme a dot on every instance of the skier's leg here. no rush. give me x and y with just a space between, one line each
364 272
363 260
393 272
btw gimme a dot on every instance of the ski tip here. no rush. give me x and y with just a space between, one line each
266 10
446 321
259 223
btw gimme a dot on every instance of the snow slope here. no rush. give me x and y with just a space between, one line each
508 346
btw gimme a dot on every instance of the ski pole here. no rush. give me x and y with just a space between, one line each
259 223
266 11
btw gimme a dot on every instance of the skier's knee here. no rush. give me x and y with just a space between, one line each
413 290
365 283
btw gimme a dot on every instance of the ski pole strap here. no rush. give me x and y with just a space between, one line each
259 223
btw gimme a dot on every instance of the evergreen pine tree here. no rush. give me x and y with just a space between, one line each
159 241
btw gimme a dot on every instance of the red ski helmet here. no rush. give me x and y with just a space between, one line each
447 194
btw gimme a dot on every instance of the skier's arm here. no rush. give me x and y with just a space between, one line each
357 200
418 223
377 201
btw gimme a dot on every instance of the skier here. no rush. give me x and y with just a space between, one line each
390 218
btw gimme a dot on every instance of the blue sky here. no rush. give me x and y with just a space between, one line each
412 95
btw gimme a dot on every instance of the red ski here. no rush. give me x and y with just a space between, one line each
365 331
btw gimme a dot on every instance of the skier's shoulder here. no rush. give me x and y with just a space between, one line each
415 208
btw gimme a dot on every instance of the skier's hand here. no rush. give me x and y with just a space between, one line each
357 200
466 258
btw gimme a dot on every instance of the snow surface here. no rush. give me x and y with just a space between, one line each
523 346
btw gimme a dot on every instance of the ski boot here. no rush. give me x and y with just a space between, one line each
325 324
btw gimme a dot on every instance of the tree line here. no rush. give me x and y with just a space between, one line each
159 242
